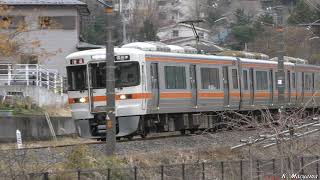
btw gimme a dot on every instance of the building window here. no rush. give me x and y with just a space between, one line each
262 80
57 22
175 33
235 79
245 79
201 35
28 59
210 78
175 77
4 69
11 22
162 3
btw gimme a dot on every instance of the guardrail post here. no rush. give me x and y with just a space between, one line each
317 168
40 77
109 174
48 79
183 171
222 171
9 74
203 171
46 176
26 67
274 166
55 83
79 174
302 164
241 169
135 173
162 172
37 75
61 85
258 169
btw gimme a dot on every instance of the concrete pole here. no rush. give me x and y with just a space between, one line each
110 84
280 46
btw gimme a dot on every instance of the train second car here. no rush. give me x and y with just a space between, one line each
164 91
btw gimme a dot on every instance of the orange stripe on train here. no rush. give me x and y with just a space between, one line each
197 61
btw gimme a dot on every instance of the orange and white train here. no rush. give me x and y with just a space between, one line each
175 91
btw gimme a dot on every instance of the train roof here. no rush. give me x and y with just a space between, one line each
93 52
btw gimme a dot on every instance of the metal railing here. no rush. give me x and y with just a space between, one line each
257 169
31 75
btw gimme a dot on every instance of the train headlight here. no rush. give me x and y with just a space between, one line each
123 97
82 100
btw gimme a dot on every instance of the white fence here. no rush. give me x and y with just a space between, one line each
31 75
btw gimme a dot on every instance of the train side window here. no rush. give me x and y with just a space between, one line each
245 79
293 80
261 80
175 77
235 79
210 78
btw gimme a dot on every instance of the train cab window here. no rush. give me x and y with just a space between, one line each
245 79
77 78
262 80
126 74
235 83
175 77
210 78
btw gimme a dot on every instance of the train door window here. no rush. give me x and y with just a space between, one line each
307 82
210 78
271 80
235 79
261 79
293 80
175 77
245 79
288 80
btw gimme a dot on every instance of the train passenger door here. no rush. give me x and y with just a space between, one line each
155 85
193 85
289 86
251 77
271 86
302 86
226 88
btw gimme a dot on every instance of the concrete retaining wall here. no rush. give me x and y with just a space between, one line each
40 95
34 127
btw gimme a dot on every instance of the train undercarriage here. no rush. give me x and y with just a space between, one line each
128 127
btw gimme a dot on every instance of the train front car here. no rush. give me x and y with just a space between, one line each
87 91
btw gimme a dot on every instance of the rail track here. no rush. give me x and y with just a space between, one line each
150 137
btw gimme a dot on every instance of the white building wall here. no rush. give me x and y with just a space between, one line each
55 44
183 31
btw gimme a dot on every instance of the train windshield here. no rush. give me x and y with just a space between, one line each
126 74
77 78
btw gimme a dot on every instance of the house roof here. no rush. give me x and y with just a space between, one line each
82 7
105 3
183 25
42 2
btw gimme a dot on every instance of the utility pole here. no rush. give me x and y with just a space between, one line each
197 9
280 46
110 82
